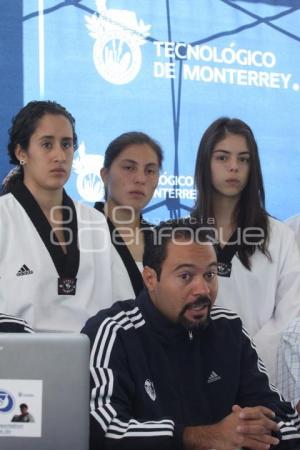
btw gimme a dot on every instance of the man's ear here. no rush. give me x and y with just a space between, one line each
20 153
150 278
104 175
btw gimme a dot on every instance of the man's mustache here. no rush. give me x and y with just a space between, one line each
201 301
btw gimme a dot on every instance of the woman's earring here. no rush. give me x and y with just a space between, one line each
22 162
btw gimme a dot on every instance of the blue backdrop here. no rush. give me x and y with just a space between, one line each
166 67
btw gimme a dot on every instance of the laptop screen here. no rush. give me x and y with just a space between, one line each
44 391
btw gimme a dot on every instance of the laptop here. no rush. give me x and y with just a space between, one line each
44 391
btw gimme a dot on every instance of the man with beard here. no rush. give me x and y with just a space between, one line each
170 370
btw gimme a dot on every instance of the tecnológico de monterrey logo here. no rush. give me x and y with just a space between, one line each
89 184
119 36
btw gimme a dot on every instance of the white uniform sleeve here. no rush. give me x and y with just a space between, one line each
288 363
287 299
294 224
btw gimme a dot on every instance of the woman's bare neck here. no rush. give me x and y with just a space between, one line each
122 216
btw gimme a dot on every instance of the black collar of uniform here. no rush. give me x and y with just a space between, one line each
66 264
121 247
225 255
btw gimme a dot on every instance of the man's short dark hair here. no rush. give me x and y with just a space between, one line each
186 229
23 405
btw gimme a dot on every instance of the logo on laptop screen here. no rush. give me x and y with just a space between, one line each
6 401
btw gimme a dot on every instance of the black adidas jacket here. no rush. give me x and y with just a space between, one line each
150 378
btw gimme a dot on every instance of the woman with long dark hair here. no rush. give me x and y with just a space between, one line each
259 263
130 175
55 254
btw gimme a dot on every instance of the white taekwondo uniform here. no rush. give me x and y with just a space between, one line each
294 223
28 275
268 296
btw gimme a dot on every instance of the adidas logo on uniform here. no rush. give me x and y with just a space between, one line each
213 377
24 271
